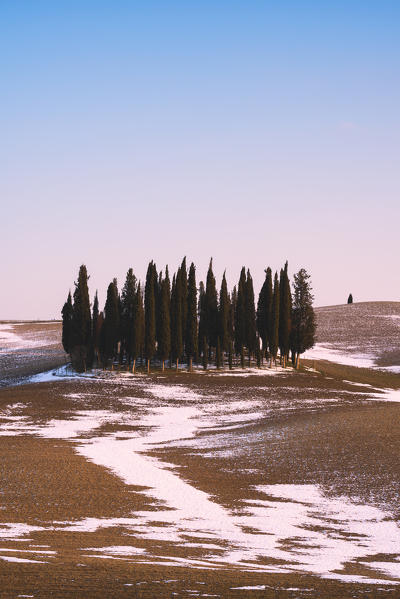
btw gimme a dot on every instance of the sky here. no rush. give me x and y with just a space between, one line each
251 131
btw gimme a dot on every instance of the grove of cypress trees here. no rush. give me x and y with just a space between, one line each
67 312
164 332
285 315
191 320
303 316
150 314
274 326
81 324
251 332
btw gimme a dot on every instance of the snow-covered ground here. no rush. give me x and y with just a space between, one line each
289 528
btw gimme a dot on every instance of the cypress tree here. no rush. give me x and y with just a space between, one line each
109 337
218 354
350 299
127 314
303 316
164 335
205 353
232 312
184 297
95 328
285 315
202 317
264 308
176 318
224 317
81 325
251 332
274 327
211 308
150 314
240 313
138 327
191 319
67 312
230 355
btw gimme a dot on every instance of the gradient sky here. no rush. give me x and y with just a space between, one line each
250 131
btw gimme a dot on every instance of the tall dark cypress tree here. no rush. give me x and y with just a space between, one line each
81 322
202 317
240 314
138 327
184 296
67 313
95 328
303 316
264 308
224 317
128 297
285 315
211 308
274 326
251 331
110 329
150 314
176 318
191 346
164 332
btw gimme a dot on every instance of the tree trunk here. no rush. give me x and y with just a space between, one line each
163 365
148 366
190 364
297 361
133 366
177 364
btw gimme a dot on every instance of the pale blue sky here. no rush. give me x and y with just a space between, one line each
254 132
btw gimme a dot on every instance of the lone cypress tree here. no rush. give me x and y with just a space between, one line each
109 336
240 314
191 320
251 332
164 335
224 317
285 315
150 314
350 299
264 308
81 325
274 327
67 324
303 316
